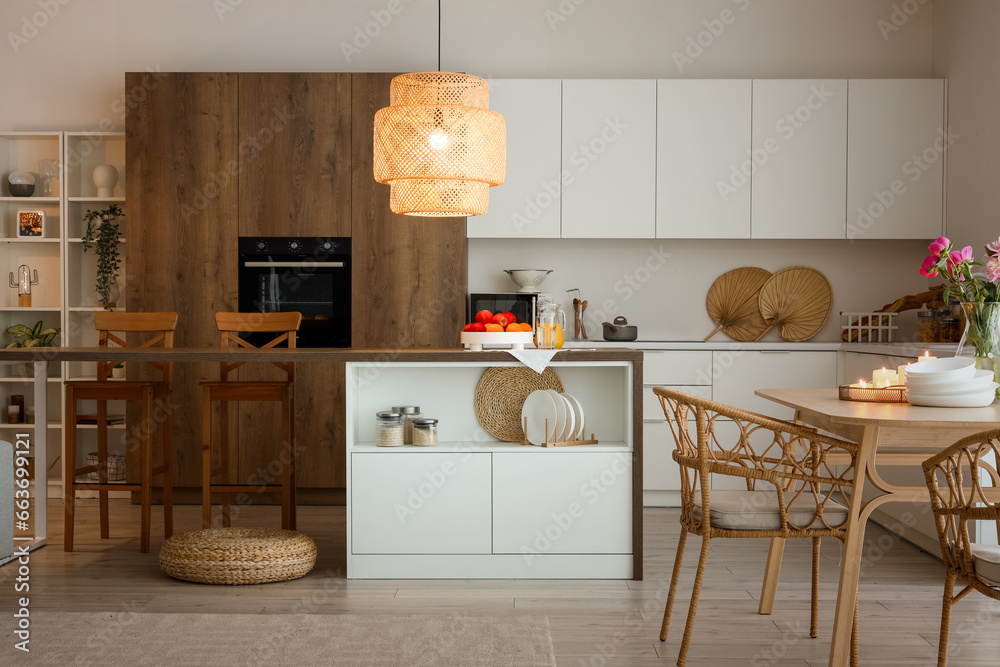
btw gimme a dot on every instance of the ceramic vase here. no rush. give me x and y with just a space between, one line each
105 178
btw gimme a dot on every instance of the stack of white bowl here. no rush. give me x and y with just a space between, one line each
952 382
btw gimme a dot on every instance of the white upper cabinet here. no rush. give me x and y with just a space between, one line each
703 158
895 159
799 179
528 204
609 158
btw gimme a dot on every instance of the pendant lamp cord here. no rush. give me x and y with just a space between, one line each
439 35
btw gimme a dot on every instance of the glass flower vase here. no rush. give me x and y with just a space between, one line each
982 335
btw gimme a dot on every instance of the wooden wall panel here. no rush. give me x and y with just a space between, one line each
295 180
181 223
410 276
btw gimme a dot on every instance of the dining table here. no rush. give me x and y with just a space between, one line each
888 435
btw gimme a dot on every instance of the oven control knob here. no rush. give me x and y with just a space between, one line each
294 245
327 245
261 245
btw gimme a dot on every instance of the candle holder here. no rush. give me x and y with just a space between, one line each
894 394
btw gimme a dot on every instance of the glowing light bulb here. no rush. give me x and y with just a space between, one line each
438 140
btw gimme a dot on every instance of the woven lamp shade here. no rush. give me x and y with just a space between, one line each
438 145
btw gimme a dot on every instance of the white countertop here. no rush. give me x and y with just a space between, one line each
901 349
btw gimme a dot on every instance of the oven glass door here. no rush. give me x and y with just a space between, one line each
321 291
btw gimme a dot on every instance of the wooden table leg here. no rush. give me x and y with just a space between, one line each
850 563
771 572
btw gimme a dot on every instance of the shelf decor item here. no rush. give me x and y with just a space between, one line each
102 234
21 184
105 179
49 169
732 303
500 396
35 336
978 290
438 146
25 279
30 223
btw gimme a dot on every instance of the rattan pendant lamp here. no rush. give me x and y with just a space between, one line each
438 146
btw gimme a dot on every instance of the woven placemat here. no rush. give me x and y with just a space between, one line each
238 555
500 396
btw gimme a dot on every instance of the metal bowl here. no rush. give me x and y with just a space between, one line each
528 279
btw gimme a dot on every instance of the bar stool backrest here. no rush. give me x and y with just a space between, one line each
159 326
231 325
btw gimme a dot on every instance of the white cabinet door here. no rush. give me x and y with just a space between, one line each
799 183
676 367
896 143
754 370
562 502
420 503
653 410
659 470
609 158
528 203
702 143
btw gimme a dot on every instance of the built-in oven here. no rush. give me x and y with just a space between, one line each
308 275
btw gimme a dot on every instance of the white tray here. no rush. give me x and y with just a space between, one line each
514 340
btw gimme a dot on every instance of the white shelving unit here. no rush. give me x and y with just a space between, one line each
64 296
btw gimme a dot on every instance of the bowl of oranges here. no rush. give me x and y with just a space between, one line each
496 330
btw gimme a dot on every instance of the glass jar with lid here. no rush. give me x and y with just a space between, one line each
928 326
388 429
409 413
425 432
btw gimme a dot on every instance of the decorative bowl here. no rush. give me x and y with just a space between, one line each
528 279
514 340
943 370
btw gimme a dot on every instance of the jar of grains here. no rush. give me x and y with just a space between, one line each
928 326
425 432
388 429
951 330
409 413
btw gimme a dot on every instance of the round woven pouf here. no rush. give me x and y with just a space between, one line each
238 555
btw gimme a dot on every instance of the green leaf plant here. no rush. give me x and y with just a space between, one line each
35 336
102 234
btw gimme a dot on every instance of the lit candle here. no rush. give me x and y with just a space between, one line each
926 356
860 384
901 374
881 378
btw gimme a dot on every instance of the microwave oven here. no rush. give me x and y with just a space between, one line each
523 305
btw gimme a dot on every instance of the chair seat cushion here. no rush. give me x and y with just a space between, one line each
758 510
986 558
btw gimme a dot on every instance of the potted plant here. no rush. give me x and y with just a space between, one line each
36 336
102 233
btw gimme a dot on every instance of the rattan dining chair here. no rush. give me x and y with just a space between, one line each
790 487
964 486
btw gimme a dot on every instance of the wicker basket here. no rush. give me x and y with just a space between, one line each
115 467
234 556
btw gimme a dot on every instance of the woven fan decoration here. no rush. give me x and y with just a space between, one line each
797 300
500 395
438 145
732 303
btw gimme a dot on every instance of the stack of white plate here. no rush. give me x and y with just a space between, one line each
561 414
949 383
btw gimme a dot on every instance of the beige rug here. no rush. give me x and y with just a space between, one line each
126 638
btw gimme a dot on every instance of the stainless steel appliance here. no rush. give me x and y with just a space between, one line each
304 274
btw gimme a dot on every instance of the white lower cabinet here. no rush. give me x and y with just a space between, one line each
659 470
562 503
421 503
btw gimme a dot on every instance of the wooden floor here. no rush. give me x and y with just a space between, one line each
593 622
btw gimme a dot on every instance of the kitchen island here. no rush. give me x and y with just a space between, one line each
492 509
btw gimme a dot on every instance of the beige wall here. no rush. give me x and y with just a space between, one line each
967 53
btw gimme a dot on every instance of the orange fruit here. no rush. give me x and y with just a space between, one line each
493 327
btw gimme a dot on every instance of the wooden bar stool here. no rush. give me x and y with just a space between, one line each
159 327
230 326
